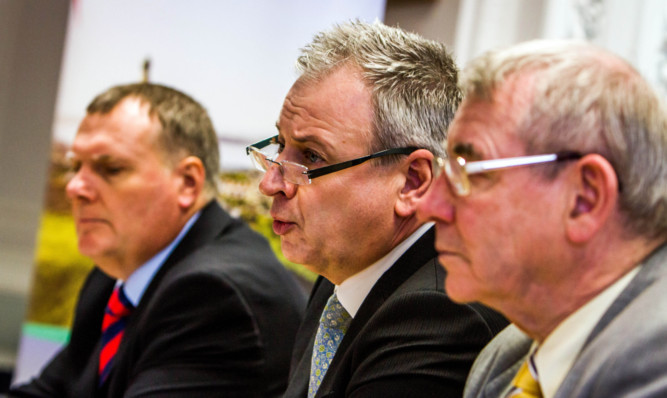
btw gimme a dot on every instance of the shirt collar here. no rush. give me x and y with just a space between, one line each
138 281
556 355
353 291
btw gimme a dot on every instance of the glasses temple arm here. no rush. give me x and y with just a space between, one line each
344 165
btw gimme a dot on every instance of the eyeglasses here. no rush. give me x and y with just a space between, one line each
264 153
458 169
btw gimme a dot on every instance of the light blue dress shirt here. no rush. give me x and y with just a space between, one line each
136 284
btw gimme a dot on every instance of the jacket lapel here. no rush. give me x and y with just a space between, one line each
491 375
203 231
412 260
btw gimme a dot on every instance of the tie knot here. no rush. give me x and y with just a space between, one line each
335 316
118 306
526 382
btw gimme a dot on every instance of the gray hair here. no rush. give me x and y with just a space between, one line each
412 79
186 126
586 99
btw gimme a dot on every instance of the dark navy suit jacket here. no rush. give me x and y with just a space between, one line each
217 320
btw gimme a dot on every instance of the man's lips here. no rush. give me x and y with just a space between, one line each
446 252
90 221
450 257
281 227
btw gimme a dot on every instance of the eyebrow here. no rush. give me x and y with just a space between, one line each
307 138
103 158
465 150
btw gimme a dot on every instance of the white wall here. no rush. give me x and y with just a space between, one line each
634 29
235 57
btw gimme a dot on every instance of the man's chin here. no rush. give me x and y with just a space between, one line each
93 249
298 253
459 289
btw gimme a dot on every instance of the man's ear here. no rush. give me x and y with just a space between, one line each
594 197
191 176
418 176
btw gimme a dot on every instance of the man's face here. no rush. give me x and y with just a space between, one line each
123 192
501 242
344 221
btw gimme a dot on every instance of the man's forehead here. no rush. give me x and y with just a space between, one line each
326 138
334 109
471 123
479 126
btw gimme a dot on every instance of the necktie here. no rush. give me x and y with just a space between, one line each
113 327
525 383
333 325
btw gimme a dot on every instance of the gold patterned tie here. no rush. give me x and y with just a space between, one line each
525 383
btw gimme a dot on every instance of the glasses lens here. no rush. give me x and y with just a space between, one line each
295 173
438 166
291 172
457 176
258 159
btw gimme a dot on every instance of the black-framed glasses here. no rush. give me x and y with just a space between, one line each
264 153
458 169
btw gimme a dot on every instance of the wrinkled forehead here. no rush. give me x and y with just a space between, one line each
336 109
486 127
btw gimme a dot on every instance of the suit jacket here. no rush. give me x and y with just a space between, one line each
408 338
625 354
217 320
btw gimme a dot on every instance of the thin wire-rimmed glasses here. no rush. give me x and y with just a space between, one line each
264 153
458 169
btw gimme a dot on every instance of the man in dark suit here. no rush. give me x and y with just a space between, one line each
211 311
389 330
552 209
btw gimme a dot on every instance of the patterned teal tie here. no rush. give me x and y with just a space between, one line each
333 325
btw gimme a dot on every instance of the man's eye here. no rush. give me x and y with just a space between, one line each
311 157
112 170
74 166
109 170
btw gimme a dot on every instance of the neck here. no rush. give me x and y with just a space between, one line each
543 306
404 228
356 263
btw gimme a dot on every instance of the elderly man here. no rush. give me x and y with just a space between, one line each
351 159
196 303
552 208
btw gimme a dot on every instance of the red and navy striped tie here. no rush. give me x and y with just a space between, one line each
113 327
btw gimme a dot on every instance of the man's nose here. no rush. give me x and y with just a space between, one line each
273 182
80 187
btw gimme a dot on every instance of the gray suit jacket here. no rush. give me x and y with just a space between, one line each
624 356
